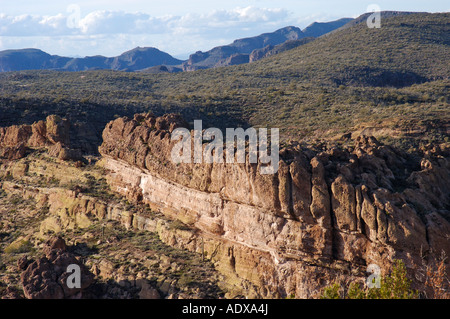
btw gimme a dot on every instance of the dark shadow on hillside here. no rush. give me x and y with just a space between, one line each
378 77
82 249
87 120
150 289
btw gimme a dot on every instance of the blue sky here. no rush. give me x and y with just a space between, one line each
179 27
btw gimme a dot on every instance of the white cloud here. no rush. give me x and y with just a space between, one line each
33 25
115 22
112 32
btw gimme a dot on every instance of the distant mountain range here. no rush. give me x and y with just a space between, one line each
239 51
133 60
152 60
250 49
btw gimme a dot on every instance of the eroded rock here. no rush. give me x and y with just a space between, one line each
323 209
53 134
46 277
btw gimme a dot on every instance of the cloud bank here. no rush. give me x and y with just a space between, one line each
69 31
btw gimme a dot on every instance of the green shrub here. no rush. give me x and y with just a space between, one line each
396 285
332 292
19 247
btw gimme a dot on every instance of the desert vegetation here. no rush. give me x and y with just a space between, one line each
390 82
357 76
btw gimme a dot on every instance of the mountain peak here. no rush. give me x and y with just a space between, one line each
26 51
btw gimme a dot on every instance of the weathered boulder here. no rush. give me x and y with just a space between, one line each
38 134
46 277
14 135
64 153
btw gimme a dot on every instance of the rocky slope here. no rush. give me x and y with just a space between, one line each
269 50
327 213
123 249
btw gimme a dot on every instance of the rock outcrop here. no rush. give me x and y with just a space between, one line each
53 133
327 213
46 277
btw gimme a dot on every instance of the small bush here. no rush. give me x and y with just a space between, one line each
437 282
23 246
332 292
394 286
16 200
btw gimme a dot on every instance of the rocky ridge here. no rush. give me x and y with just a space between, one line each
238 52
53 134
328 212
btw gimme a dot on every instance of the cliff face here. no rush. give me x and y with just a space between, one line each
327 213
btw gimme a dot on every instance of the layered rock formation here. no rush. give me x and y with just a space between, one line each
327 213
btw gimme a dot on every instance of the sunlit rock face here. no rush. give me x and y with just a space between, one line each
325 214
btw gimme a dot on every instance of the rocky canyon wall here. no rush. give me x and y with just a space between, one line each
326 214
